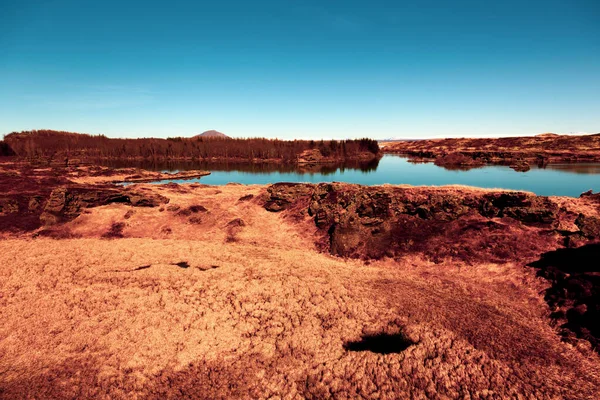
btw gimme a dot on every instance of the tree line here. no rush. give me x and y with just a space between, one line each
49 144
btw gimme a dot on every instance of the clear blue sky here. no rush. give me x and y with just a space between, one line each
301 69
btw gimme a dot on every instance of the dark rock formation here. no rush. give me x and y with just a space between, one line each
66 203
373 222
31 199
186 212
5 149
465 225
574 294
282 195
590 195
589 226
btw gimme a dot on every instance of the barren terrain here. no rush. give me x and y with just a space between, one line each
293 291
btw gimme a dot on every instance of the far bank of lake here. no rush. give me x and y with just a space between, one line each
553 180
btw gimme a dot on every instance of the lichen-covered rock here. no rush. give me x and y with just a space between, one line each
374 222
281 195
8 206
589 226
34 203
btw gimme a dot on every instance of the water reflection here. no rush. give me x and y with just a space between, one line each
576 168
552 179
253 168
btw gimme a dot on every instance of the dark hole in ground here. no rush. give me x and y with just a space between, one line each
142 267
380 343
183 264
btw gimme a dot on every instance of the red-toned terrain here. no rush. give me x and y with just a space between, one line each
465 225
293 290
518 152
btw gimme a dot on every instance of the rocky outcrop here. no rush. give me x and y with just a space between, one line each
373 222
66 203
574 294
589 226
282 195
591 196
465 225
5 149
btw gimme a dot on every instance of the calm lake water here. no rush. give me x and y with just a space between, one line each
556 179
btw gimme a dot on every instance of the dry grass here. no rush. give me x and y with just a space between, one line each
265 315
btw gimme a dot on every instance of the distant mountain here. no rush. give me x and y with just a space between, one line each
398 139
213 133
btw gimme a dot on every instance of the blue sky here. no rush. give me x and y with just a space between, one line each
301 69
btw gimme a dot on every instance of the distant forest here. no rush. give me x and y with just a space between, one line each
48 144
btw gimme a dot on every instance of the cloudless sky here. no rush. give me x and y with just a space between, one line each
301 69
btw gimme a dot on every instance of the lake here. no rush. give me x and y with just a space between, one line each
553 180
